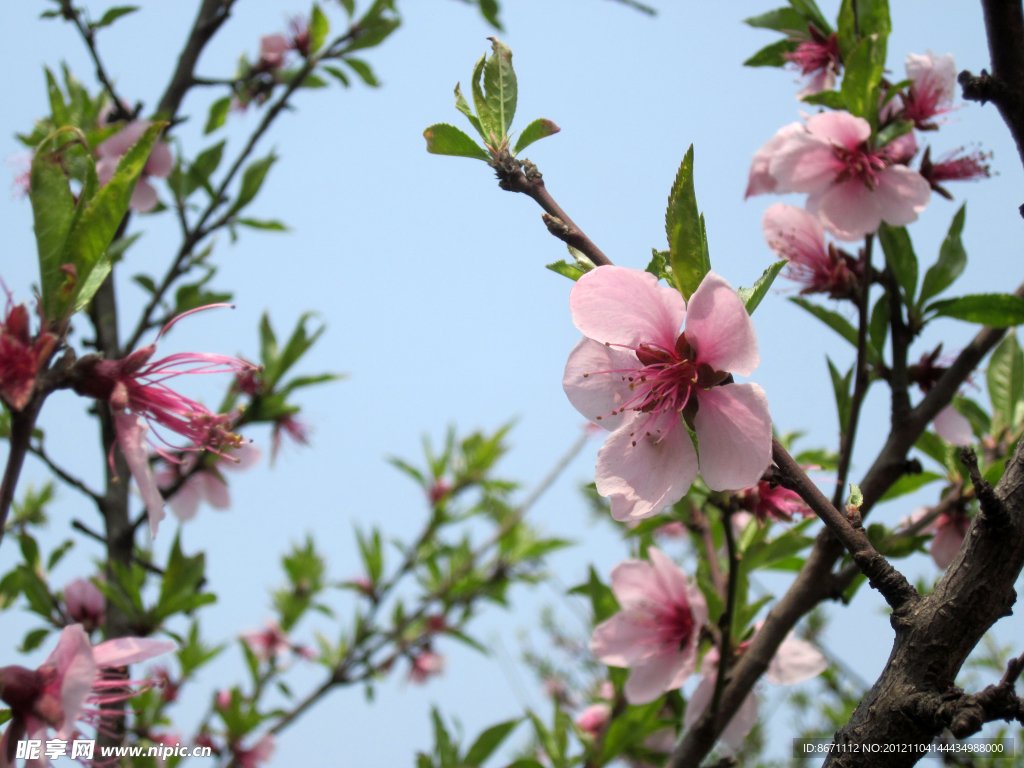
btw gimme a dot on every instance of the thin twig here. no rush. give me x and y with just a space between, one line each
728 617
118 110
78 525
66 477
22 424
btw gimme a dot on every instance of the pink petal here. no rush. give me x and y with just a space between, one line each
953 428
621 641
185 503
652 677
848 210
670 578
794 234
823 80
840 128
129 650
804 163
642 480
144 198
937 74
595 394
242 458
740 725
720 329
794 662
123 140
636 582
105 168
945 545
160 162
131 439
734 435
73 660
902 194
626 307
760 180
214 490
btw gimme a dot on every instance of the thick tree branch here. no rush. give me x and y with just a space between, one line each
516 176
991 506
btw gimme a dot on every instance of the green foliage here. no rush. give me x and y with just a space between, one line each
900 258
319 28
997 310
180 588
113 14
539 129
841 387
501 89
909 484
752 297
306 570
878 325
836 322
685 231
772 55
830 99
781 20
574 271
218 114
951 262
602 601
863 74
444 139
1005 379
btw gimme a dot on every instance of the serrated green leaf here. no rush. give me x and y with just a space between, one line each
997 310
900 258
463 106
862 76
113 14
781 20
753 296
563 267
1005 379
58 109
951 262
488 121
53 210
218 114
841 388
500 86
810 11
445 139
319 28
682 226
772 55
252 180
539 129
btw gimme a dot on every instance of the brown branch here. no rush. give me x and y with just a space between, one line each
212 14
991 506
728 617
969 713
65 476
516 176
118 110
899 381
22 424
78 525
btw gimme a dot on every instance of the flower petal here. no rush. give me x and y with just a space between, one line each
185 503
636 582
945 545
795 661
643 479
840 128
652 677
144 198
849 210
902 194
734 435
953 427
76 669
160 161
720 329
740 725
626 306
794 234
214 490
804 163
129 650
760 180
131 439
593 393
621 641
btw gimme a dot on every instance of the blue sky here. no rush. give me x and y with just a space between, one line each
432 284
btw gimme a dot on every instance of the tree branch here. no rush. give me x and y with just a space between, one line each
119 112
22 424
68 478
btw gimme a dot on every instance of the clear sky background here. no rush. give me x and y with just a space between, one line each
431 281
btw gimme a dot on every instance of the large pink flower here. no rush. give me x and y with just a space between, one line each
159 164
796 235
853 186
794 662
656 631
75 684
636 375
933 88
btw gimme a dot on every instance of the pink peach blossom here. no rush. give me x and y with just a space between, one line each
950 531
207 484
953 427
777 503
159 164
796 235
267 643
817 57
933 88
425 664
594 718
954 166
853 186
74 685
273 49
760 180
85 604
21 355
656 631
258 754
637 376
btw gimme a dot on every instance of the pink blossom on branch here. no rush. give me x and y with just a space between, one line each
655 633
637 376
594 718
256 755
817 57
954 166
85 604
933 88
76 684
159 164
777 503
853 186
425 665
21 355
207 484
950 529
760 180
796 235
267 643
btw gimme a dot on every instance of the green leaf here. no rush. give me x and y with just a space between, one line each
682 225
319 28
997 310
981 422
900 257
364 71
909 484
53 209
1005 378
33 640
863 72
218 114
846 33
753 296
781 20
893 131
489 10
489 127
113 14
313 81
873 17
539 129
488 741
810 11
252 180
337 74
660 266
270 225
878 327
58 108
602 600
765 554
375 26
444 139
856 497
841 387
500 85
772 55
182 580
830 99
200 170
952 260
563 267
836 322
463 106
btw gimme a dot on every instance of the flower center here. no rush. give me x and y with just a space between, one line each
676 625
859 163
667 379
